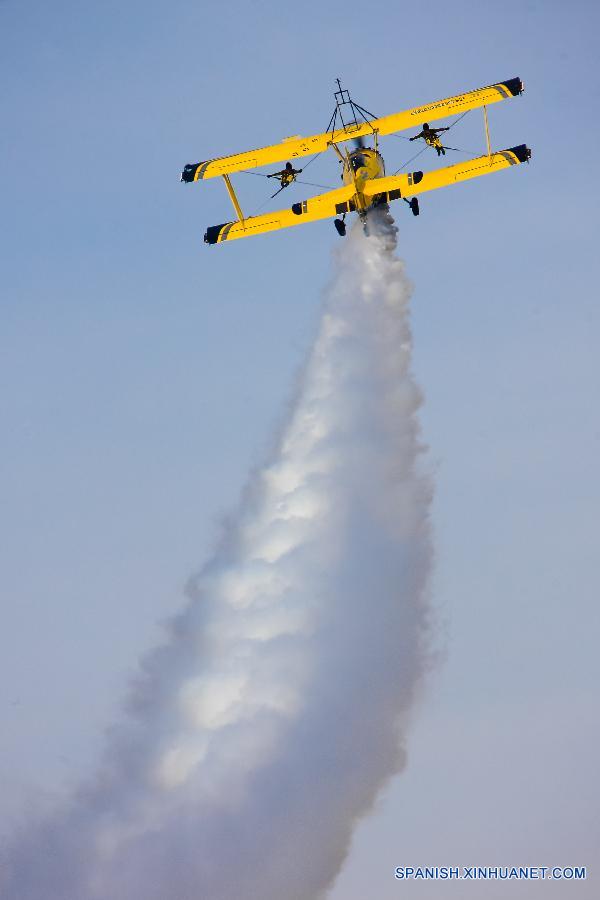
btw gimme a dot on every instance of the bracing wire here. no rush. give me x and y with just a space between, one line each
312 159
455 149
296 180
327 187
423 149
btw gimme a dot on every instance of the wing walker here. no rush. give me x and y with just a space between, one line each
365 183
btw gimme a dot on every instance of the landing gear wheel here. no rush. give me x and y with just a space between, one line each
414 205
340 227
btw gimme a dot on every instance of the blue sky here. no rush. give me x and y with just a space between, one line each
142 374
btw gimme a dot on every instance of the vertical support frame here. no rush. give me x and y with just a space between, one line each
487 133
233 198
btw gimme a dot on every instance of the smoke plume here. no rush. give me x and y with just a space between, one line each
275 711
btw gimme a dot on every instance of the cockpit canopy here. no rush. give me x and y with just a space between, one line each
357 161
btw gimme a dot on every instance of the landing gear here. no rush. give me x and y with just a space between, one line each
414 205
340 227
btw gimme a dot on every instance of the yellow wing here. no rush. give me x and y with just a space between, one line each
409 184
450 107
303 146
323 206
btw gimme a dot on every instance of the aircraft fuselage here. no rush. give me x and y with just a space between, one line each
361 165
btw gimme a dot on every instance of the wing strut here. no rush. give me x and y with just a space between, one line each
233 197
487 133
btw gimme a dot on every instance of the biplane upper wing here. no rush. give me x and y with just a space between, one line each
395 187
303 146
452 106
323 206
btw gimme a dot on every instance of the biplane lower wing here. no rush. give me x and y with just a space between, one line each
396 187
317 143
323 206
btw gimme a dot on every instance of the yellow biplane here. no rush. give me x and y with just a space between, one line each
365 184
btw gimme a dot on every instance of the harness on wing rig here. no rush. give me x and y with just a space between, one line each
431 138
286 177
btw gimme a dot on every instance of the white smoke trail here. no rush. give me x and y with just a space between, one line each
265 726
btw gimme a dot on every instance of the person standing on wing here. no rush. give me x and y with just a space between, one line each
430 135
287 175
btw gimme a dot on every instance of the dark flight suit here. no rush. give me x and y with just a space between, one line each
287 175
430 136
